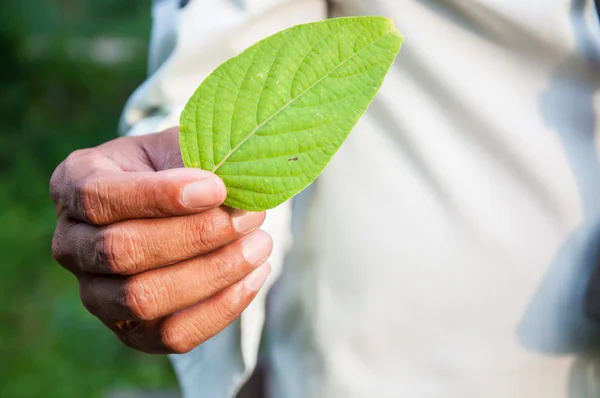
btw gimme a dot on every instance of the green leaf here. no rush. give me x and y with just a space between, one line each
269 120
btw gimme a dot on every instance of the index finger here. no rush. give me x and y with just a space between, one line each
108 196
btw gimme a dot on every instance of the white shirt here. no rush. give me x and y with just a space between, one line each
446 249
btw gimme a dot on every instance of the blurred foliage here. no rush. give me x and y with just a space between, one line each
57 95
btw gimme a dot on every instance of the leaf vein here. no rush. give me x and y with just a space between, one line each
285 155
262 90
334 101
237 97
251 133
212 122
328 35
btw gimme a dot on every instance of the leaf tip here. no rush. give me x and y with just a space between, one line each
393 29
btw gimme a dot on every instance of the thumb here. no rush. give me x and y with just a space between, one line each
162 149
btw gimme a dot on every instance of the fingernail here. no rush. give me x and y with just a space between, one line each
257 278
246 221
256 247
203 193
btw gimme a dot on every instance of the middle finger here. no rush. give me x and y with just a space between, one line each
133 246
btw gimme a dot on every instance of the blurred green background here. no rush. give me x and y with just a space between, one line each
67 68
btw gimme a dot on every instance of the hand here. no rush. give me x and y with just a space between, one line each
158 260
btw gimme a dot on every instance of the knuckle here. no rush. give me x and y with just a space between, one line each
72 163
81 172
88 193
73 160
218 274
115 250
140 298
65 172
206 239
177 340
224 310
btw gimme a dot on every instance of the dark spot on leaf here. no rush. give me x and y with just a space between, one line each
293 159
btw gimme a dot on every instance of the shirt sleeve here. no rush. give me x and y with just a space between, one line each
189 39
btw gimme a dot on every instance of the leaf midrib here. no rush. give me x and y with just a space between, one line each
285 106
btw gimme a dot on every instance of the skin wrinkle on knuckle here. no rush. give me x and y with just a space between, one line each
130 252
195 334
102 210
223 311
140 298
204 238
176 339
205 322
146 200
88 199
103 254
111 250
217 273
145 248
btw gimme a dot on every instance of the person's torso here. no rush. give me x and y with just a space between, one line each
446 250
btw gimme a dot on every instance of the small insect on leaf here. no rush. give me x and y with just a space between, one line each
270 119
